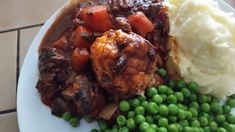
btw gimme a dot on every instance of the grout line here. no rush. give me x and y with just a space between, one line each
25 27
7 111
18 57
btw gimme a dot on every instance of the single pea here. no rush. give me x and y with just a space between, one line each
193 86
157 117
124 106
209 98
186 92
173 128
151 92
88 119
213 125
157 99
162 72
163 110
154 127
123 129
231 102
170 92
181 106
195 123
180 84
149 119
139 110
205 107
66 116
172 99
134 103
230 118
163 122
205 115
194 104
150 130
144 126
102 125
164 97
121 120
227 109
130 124
219 118
152 108
142 97
139 119
173 109
202 98
162 129
193 97
230 128
220 110
220 129
182 114
172 83
108 130
203 121
232 96
184 123
94 130
215 106
74 122
172 119
114 130
130 114
187 129
179 96
144 104
163 89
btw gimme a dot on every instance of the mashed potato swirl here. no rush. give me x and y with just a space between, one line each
205 49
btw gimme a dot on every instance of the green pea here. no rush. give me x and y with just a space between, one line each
193 86
94 130
88 119
123 129
231 102
149 119
124 106
157 117
172 99
203 121
220 129
182 114
164 97
205 107
102 125
170 92
194 104
207 129
181 106
173 128
180 84
172 83
195 123
157 99
184 123
107 130
150 130
230 128
202 99
186 92
121 120
134 103
179 96
151 92
144 126
162 129
172 119
205 115
163 122
227 109
219 118
139 119
187 129
213 125
144 104
193 97
114 130
215 107
232 96
66 116
163 110
189 115
154 127
141 98
152 108
173 109
162 72
230 118
163 89
130 114
139 110
74 122
130 124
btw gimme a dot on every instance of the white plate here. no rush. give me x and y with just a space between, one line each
33 115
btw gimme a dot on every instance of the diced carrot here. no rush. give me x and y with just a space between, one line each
77 40
60 43
80 59
140 23
96 18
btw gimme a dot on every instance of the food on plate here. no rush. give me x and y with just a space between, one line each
121 69
203 45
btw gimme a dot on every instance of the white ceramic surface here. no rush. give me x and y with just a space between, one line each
33 116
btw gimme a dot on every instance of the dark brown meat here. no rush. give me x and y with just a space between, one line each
86 96
124 63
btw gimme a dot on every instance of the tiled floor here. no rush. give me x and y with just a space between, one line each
19 23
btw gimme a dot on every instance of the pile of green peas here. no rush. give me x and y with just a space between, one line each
173 107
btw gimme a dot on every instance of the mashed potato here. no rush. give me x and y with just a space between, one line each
205 45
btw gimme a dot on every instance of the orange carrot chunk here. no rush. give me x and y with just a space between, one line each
78 40
96 18
140 23
80 59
